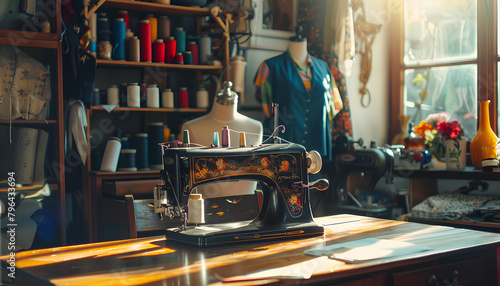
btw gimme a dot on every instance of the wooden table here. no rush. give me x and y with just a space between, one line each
156 261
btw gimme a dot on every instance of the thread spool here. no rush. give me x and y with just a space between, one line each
205 50
96 97
167 99
166 133
153 24
202 98
159 51
187 58
119 39
133 95
196 209
163 27
126 162
103 29
134 53
155 136
183 98
93 27
215 140
179 59
124 15
172 141
243 139
125 142
144 89
237 75
93 48
122 91
112 95
153 96
185 138
225 136
170 51
180 37
111 155
193 48
145 37
140 144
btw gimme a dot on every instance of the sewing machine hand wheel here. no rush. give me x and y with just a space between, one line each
314 162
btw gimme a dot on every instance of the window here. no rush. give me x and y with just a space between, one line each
444 57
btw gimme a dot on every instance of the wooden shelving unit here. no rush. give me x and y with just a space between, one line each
191 74
47 48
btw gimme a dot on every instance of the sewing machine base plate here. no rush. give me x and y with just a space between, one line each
239 232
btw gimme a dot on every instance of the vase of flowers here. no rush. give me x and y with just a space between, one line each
455 145
427 128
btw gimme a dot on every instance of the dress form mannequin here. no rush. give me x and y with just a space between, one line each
224 113
298 50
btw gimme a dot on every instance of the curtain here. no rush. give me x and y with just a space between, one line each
324 24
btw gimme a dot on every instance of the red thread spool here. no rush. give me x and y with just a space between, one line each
183 98
170 48
159 51
124 14
193 48
145 36
179 59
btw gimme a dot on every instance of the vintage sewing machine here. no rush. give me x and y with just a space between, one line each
361 169
281 169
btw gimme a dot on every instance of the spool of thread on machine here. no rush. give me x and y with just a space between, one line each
196 209
145 37
155 136
119 39
215 140
183 98
113 95
140 144
133 95
170 51
185 138
126 163
111 155
225 136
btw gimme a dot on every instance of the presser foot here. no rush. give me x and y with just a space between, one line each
241 232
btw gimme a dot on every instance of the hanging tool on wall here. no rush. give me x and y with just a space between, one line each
365 33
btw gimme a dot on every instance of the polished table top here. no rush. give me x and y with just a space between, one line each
156 261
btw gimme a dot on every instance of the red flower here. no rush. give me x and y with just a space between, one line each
451 130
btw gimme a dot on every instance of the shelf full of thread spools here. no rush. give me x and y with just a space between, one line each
159 39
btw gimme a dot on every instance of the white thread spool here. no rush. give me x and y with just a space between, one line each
202 98
196 209
167 98
153 96
133 95
205 50
113 98
111 154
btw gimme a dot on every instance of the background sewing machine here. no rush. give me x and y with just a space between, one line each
357 173
281 169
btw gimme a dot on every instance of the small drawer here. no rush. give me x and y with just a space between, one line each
137 188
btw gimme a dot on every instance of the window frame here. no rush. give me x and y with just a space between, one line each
487 61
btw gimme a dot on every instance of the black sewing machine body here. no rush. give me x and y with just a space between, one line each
281 169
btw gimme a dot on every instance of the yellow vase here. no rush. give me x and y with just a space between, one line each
483 145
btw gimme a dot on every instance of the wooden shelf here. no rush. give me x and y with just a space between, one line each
28 122
149 109
10 37
469 173
157 8
129 64
28 35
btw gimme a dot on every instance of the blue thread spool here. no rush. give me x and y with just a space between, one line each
119 39
126 163
188 58
125 142
180 37
155 136
140 143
